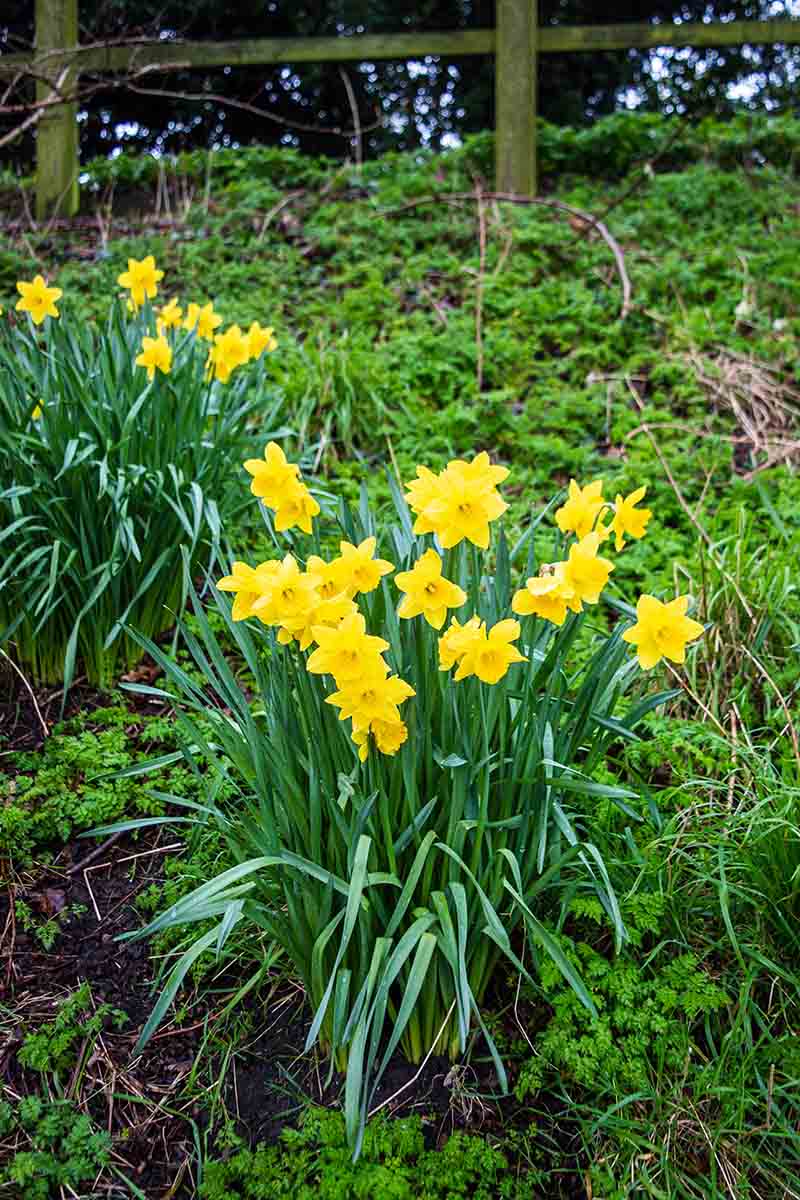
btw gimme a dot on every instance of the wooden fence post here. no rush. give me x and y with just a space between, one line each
57 129
515 96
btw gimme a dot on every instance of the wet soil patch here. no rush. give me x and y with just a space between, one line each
137 1099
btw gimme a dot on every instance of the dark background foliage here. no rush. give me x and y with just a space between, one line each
407 104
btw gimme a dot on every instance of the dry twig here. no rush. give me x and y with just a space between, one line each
587 220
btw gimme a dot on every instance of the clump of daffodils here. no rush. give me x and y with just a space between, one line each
316 606
419 746
228 349
184 387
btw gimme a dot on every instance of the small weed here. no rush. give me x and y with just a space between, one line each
46 932
55 1046
51 1149
63 788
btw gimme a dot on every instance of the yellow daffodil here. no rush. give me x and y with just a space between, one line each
156 355
585 575
480 472
346 651
328 577
249 584
628 518
465 513
228 352
203 319
427 591
289 595
37 412
546 596
297 507
38 299
277 482
359 569
169 316
581 509
372 697
272 475
460 502
457 640
389 736
662 630
141 279
259 339
464 502
421 492
328 612
490 653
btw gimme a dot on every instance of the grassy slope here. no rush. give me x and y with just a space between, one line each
375 307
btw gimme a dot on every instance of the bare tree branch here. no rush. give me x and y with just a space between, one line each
92 82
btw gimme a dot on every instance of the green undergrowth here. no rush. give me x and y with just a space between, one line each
50 795
57 1150
395 1164
56 1045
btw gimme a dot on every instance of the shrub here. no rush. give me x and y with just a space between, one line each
392 861
114 449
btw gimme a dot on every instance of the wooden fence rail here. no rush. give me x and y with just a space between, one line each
515 42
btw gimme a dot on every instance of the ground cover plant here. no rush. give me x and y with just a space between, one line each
414 328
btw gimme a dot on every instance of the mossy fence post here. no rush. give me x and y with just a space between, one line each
57 129
516 37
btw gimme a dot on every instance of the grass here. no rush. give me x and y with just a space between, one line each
377 307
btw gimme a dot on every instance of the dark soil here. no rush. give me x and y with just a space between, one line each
120 1092
24 714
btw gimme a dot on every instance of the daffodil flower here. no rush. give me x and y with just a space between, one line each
491 653
38 299
141 279
427 592
662 630
628 519
585 574
156 355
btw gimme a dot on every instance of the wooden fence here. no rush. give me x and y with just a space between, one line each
516 41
